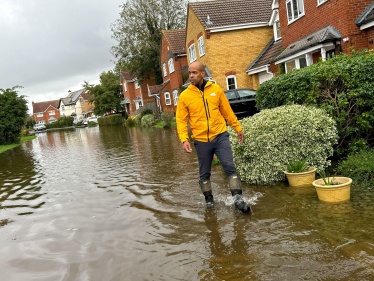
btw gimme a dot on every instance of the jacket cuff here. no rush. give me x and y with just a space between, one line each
183 140
238 128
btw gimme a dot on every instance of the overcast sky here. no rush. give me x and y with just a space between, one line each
50 47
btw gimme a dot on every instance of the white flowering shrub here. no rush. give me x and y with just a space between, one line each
275 137
148 120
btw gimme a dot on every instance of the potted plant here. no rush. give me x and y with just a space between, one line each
299 174
333 189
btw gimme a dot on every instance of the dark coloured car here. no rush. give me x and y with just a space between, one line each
242 101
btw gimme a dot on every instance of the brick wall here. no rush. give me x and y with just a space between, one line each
46 115
341 14
229 51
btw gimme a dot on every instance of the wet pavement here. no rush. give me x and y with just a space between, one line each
112 203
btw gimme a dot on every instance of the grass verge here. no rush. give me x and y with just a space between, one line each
161 124
10 146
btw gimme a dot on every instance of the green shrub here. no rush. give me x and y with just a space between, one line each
167 116
297 166
52 125
137 120
92 124
148 120
276 137
342 85
146 112
65 121
359 167
111 120
130 122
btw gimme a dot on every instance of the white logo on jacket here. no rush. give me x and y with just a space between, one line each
213 94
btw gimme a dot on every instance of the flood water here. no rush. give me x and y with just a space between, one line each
112 203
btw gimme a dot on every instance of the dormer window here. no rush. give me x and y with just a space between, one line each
295 9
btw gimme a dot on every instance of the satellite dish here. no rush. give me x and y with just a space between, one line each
185 68
169 54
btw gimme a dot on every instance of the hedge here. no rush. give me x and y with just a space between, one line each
276 137
342 86
111 120
61 122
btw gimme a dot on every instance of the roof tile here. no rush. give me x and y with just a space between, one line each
43 106
176 39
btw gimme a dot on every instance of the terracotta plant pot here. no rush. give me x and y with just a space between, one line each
334 193
301 179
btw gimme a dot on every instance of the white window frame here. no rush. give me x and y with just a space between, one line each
73 106
125 84
192 53
82 103
275 28
39 114
164 68
137 84
200 43
309 61
320 2
171 65
227 81
138 104
175 97
51 113
167 98
63 107
292 11
41 122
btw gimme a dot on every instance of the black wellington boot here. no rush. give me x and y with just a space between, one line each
206 188
237 194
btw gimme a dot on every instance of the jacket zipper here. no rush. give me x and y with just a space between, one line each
206 113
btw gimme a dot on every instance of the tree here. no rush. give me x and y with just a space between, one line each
107 95
138 32
13 112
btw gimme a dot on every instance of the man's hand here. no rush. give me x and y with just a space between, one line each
240 136
187 146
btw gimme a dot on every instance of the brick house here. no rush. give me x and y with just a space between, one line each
45 112
76 104
135 95
314 29
227 36
173 59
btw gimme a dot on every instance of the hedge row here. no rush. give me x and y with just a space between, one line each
111 120
342 86
61 122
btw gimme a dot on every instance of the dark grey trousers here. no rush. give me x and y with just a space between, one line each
222 148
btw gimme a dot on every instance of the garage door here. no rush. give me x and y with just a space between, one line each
264 76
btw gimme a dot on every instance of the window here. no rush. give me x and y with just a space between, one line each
200 43
290 65
39 114
171 65
231 82
138 104
52 112
136 84
125 84
230 95
41 122
321 1
175 97
62 107
277 30
82 103
296 64
330 54
164 68
167 98
295 9
302 62
246 94
192 53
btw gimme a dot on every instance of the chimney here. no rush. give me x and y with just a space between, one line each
32 103
69 91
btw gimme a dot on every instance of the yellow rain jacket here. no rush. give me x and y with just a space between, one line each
206 111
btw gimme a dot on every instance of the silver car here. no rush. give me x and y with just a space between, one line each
39 127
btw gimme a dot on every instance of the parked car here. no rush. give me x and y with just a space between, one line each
39 127
242 101
80 121
91 119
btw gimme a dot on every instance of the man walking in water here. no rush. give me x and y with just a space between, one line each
208 109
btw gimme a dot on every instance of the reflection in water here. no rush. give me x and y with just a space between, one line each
110 203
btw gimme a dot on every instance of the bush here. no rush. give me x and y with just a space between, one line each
52 125
146 112
91 124
148 120
137 120
343 86
276 137
13 109
65 121
359 167
130 122
167 116
111 120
